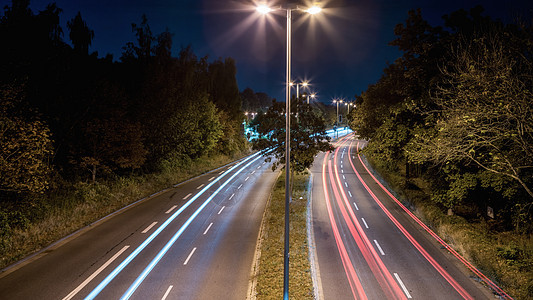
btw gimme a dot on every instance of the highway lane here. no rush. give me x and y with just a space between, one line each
368 247
193 241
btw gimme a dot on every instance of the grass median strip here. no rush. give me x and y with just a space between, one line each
270 274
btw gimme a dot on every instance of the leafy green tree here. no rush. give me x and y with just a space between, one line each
486 111
25 146
308 134
196 128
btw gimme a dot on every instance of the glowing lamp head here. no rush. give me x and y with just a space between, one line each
263 9
314 10
305 83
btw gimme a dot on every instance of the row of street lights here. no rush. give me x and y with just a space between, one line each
264 9
347 104
304 84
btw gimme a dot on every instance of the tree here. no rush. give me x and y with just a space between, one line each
143 49
25 146
80 35
308 134
196 128
486 110
110 141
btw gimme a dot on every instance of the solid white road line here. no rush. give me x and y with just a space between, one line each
107 263
357 208
208 228
190 255
200 186
171 209
188 195
403 286
167 292
211 178
379 248
220 211
364 222
149 227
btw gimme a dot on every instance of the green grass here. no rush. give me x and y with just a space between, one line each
80 204
505 257
270 276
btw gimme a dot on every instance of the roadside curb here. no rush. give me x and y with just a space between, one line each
313 259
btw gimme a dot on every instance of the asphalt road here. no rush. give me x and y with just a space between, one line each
368 247
194 241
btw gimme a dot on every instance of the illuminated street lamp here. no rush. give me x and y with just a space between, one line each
298 84
264 9
337 101
312 95
348 104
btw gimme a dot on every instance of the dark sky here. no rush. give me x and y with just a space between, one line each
341 51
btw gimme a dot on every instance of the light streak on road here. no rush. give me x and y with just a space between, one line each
496 288
422 251
381 273
141 247
171 242
90 278
355 284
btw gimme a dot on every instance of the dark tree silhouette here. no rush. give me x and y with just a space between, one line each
80 35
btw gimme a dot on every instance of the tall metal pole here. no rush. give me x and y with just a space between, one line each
287 160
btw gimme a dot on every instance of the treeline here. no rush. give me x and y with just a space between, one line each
68 115
457 110
255 101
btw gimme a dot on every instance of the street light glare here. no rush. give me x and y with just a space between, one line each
263 9
314 10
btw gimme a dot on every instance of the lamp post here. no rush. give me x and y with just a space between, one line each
298 84
349 104
264 9
337 101
313 95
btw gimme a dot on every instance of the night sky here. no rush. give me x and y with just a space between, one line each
341 51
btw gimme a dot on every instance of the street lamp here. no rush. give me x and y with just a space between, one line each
348 104
298 84
312 95
264 9
337 101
